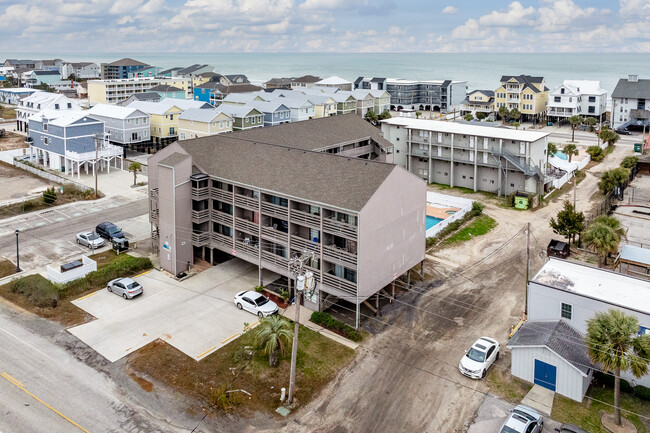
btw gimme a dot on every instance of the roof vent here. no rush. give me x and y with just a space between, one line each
633 78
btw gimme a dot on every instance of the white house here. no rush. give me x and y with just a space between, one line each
12 95
301 108
38 102
86 70
125 125
630 102
577 98
335 82
552 354
574 292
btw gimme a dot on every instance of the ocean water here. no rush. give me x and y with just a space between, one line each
482 71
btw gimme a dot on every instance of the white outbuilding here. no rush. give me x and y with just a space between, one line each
552 354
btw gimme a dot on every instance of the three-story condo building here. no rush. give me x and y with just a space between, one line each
482 158
577 98
527 94
263 203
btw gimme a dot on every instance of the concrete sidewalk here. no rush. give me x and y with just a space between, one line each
305 314
540 399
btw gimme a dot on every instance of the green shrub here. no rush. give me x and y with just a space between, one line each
38 290
258 289
511 200
630 161
597 154
49 195
608 380
642 392
477 209
327 321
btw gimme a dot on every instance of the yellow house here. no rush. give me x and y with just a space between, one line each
324 105
478 101
114 91
164 119
527 94
201 122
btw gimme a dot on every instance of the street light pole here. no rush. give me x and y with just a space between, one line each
95 168
17 253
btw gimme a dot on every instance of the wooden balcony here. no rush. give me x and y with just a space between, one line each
276 235
246 201
275 259
200 193
221 217
199 216
248 249
200 239
221 195
246 226
305 218
333 226
217 239
340 284
334 254
274 210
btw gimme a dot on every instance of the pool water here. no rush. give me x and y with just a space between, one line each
432 221
561 155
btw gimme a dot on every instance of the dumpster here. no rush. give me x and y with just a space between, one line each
120 245
557 249
638 147
521 201
549 124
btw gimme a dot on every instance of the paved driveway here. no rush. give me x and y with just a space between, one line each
494 411
196 316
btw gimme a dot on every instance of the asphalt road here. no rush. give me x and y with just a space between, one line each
52 239
43 388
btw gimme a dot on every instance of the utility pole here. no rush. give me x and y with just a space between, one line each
17 254
575 185
303 281
527 266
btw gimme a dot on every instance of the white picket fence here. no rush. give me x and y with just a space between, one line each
464 204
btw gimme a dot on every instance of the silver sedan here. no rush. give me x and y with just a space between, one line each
90 239
126 287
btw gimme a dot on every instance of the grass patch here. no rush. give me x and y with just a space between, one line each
327 321
478 227
506 386
7 112
71 193
6 268
39 295
319 359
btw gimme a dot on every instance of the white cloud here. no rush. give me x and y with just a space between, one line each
515 15
449 10
396 31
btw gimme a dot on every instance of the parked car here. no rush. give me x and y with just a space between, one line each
125 287
479 358
256 303
109 231
622 131
90 240
568 428
523 419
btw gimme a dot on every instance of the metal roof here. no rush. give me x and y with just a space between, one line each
632 89
201 114
630 253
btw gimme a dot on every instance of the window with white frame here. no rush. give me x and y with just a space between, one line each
566 311
46 140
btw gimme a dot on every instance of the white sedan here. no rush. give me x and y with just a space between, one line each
90 239
256 303
479 358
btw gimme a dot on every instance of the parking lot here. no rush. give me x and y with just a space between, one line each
494 411
197 316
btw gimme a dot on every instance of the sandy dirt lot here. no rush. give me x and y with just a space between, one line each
17 183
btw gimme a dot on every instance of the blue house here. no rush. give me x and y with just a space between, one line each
275 113
205 92
66 141
121 68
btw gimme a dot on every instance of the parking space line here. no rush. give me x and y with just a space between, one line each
209 350
229 338
56 210
251 325
144 273
21 387
44 218
87 296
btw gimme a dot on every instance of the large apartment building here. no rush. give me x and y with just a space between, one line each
262 202
482 158
430 95
527 94
121 68
115 91
577 98
631 102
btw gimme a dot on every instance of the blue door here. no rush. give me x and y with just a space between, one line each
545 374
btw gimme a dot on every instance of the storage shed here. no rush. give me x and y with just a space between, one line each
553 355
633 261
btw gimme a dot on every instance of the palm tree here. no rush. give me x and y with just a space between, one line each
503 112
612 341
273 336
574 121
468 117
135 167
515 114
603 239
608 136
614 224
591 122
570 150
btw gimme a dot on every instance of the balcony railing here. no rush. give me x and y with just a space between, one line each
154 215
340 255
340 284
275 259
416 151
221 195
199 216
246 201
274 210
222 240
221 217
334 226
300 244
154 194
200 193
246 226
306 218
249 249
200 238
275 234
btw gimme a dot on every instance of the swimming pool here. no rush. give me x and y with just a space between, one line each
432 221
561 155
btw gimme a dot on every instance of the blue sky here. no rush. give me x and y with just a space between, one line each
325 25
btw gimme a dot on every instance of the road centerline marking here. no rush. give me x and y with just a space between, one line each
21 387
